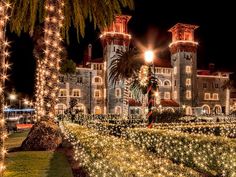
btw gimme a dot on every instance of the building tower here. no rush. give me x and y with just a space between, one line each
184 61
114 38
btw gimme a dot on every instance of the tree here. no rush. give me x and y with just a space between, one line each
68 67
4 10
125 66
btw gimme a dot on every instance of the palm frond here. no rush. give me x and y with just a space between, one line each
28 13
124 65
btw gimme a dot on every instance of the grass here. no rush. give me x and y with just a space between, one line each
37 164
15 139
34 163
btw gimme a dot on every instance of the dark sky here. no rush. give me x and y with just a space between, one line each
150 21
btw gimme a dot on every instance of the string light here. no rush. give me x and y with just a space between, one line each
192 144
104 155
4 54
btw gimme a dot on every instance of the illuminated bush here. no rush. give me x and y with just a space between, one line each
210 154
109 156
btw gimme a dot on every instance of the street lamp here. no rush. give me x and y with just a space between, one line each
148 56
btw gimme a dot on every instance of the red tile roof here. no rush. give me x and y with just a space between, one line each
162 63
169 103
133 102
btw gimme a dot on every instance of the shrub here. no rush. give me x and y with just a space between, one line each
110 156
168 116
209 154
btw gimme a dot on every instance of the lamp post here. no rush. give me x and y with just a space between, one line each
148 56
12 97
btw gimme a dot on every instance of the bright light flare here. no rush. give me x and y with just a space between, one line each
149 55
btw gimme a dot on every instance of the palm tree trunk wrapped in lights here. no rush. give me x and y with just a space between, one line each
4 7
39 87
53 25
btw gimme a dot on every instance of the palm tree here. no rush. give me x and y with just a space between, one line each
58 16
125 66
4 10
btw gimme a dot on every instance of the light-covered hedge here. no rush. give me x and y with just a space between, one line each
211 154
109 156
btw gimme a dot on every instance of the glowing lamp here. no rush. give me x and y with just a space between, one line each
148 55
12 96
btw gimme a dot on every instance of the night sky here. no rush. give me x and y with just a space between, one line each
150 22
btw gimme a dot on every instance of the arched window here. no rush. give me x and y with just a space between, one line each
189 110
167 83
60 108
97 110
97 80
206 109
117 110
159 83
170 109
80 107
118 92
217 109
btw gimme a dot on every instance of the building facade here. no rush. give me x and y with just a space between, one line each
180 82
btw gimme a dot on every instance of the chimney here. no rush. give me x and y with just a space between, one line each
89 51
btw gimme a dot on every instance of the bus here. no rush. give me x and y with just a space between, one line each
18 119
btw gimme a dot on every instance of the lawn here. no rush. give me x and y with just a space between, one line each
37 164
15 139
34 163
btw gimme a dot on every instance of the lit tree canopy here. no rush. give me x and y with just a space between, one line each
27 13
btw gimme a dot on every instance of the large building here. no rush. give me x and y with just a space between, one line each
181 84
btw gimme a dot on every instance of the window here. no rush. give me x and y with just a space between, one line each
204 85
188 94
167 83
62 92
76 92
79 79
97 110
159 70
215 96
175 95
97 93
97 80
216 85
188 82
175 70
207 96
188 69
166 95
118 92
118 110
